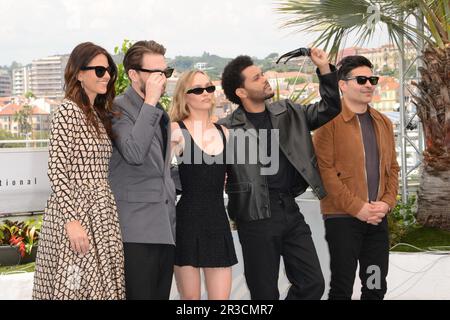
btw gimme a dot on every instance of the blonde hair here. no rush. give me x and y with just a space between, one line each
179 109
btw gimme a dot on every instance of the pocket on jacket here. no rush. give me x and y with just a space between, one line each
237 187
344 174
240 200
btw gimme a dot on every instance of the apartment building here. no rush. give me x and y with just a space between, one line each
47 77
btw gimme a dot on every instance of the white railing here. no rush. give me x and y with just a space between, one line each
23 141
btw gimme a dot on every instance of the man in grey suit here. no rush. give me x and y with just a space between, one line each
140 174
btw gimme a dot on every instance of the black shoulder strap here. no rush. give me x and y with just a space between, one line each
219 127
186 134
182 125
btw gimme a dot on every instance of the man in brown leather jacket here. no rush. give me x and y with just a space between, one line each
263 205
358 165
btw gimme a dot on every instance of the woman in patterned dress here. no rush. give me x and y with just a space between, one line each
80 254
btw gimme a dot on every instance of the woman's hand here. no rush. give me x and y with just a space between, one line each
78 237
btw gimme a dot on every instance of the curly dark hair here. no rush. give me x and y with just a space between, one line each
232 77
347 64
80 57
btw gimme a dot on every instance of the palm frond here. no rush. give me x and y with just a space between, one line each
336 19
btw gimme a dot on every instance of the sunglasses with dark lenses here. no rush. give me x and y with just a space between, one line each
363 79
199 91
167 72
99 70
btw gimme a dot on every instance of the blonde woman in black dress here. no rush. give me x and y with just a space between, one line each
80 253
203 235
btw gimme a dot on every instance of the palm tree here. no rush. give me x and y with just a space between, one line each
21 117
334 20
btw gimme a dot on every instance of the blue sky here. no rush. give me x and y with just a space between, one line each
31 29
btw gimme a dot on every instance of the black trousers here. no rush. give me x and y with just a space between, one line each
148 271
351 241
284 234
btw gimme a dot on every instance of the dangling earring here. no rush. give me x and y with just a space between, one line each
82 84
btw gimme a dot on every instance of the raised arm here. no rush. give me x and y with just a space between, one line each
133 138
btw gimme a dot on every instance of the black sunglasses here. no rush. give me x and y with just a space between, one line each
99 70
363 79
167 72
199 91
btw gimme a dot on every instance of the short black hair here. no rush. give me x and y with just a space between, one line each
232 77
347 64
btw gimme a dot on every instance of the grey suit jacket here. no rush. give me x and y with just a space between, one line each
139 177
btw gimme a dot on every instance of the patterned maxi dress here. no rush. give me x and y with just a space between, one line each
78 172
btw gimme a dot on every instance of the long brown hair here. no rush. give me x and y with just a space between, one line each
80 57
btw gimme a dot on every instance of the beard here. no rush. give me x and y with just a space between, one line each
142 86
269 96
260 95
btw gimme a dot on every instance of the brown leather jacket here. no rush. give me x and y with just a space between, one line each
340 155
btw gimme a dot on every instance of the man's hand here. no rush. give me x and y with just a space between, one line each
320 59
154 88
376 218
382 209
370 213
382 206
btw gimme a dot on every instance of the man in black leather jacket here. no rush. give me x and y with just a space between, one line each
261 194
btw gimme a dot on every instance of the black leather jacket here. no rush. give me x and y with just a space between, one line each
247 189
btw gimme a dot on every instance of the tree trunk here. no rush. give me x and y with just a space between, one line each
434 198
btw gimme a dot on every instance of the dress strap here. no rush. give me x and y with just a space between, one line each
185 130
224 139
181 124
186 134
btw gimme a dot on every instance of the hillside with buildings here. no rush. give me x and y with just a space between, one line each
29 94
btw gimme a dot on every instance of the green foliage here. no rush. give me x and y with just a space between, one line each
165 101
337 19
295 95
388 72
183 63
29 95
402 220
315 78
6 135
272 56
425 238
122 78
23 117
216 64
24 235
17 269
294 81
